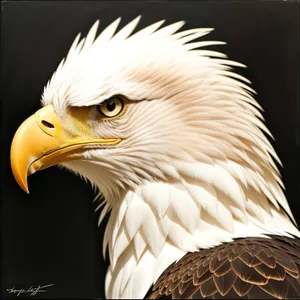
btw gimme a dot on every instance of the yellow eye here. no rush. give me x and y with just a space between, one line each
111 107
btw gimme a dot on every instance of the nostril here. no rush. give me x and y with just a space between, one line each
47 124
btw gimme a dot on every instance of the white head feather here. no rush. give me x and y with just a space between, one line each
194 167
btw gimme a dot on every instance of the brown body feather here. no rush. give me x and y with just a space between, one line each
249 268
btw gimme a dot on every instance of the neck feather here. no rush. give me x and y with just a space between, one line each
157 223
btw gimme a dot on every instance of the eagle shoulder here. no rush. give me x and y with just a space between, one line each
250 268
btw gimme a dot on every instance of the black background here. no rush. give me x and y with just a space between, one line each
51 235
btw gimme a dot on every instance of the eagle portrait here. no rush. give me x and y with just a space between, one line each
176 145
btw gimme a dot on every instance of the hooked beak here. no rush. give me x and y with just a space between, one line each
41 142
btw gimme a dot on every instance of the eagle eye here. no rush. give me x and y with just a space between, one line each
111 107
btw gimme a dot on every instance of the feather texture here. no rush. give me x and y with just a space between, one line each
249 268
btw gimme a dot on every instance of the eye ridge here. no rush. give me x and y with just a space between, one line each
111 107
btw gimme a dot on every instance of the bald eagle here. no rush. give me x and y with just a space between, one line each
175 143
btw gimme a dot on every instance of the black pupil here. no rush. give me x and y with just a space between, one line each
111 105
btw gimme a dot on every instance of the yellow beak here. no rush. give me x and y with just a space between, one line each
41 142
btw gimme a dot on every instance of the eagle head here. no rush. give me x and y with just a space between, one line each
121 110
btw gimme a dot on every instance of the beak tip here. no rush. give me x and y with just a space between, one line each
24 187
23 184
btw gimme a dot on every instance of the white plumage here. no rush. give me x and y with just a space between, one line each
194 168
